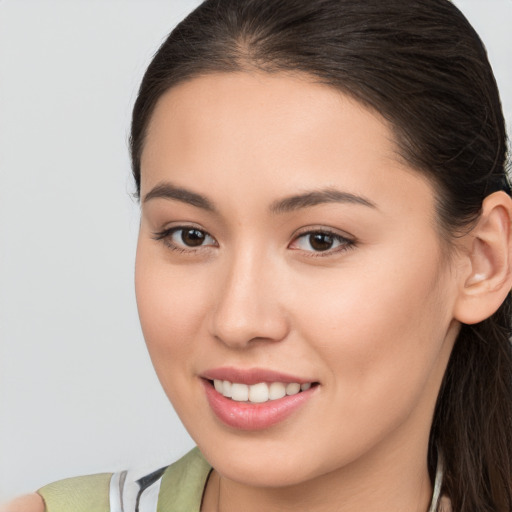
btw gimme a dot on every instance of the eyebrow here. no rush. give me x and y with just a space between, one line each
285 205
308 199
170 191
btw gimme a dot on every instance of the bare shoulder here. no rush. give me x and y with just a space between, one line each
28 503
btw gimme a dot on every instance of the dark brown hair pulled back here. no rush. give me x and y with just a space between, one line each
423 68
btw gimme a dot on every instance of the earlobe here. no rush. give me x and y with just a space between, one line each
488 278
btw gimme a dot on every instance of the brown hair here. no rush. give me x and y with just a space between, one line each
421 65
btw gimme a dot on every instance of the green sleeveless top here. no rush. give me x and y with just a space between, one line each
180 489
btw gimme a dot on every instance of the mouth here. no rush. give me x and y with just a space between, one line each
255 399
260 392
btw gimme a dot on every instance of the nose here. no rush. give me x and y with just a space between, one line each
247 306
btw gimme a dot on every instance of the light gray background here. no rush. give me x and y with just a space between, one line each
77 391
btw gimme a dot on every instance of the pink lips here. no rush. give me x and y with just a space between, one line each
248 416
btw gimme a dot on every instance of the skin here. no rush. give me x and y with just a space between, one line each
371 320
28 503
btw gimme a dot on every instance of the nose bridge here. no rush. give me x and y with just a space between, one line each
247 306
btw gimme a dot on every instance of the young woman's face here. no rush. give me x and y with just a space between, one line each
283 242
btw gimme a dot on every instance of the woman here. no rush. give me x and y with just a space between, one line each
323 268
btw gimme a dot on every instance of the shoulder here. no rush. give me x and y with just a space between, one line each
79 494
176 487
29 503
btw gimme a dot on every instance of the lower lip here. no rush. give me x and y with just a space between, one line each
247 416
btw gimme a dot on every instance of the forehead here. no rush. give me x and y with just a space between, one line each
263 109
271 133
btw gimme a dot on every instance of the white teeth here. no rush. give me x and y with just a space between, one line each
258 393
276 390
239 392
293 388
226 388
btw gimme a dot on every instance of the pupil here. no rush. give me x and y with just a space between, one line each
192 237
321 241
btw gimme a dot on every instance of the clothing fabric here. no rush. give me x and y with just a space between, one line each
175 488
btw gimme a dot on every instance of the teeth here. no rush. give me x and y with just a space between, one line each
293 388
239 392
276 390
226 388
258 393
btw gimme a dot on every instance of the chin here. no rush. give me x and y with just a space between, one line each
265 460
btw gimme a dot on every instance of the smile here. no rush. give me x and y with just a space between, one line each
255 399
260 392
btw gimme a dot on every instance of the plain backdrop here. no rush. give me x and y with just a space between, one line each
77 391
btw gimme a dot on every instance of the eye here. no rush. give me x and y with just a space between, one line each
321 242
183 238
190 237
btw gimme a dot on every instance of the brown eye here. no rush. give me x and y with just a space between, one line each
321 241
193 237
186 238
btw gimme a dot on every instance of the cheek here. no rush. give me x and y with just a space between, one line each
379 327
171 305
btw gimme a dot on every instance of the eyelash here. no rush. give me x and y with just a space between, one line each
165 236
345 243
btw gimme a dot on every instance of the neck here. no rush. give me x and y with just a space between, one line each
390 486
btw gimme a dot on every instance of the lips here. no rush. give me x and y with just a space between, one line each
251 376
255 399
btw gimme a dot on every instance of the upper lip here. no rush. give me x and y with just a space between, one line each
251 376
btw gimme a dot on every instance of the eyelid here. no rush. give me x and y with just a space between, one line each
165 236
346 241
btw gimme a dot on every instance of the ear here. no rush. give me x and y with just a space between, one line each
486 278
